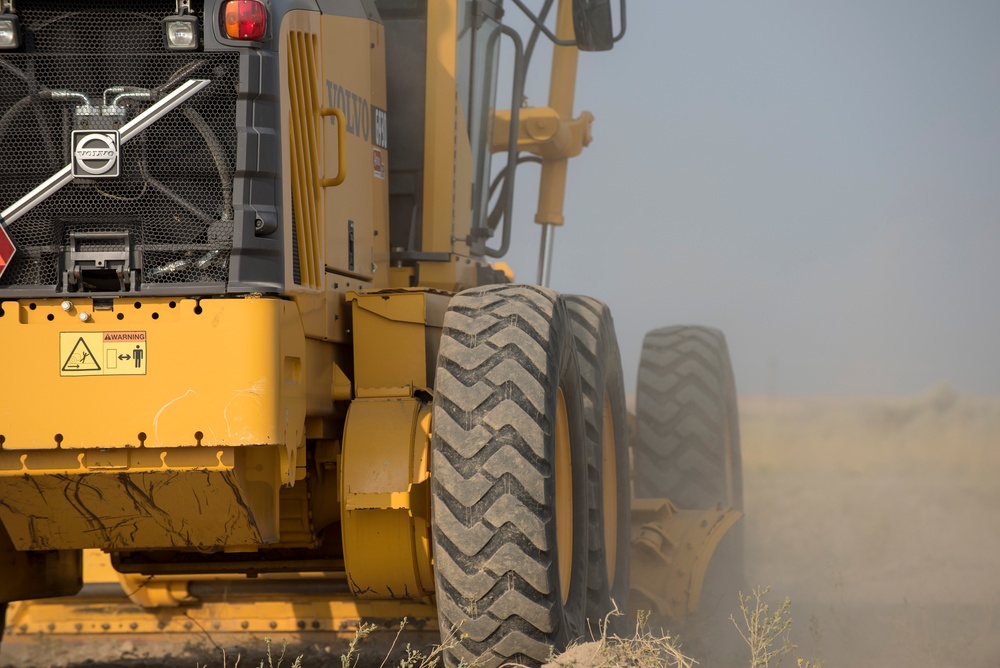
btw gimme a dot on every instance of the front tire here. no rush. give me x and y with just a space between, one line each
688 439
509 478
688 450
606 419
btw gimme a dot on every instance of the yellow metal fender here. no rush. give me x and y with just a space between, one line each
395 340
671 551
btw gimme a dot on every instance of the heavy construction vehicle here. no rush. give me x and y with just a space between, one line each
261 375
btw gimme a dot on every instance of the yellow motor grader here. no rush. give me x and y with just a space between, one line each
262 376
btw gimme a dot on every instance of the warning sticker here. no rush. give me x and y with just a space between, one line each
102 353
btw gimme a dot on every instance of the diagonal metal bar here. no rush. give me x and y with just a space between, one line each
179 95
55 182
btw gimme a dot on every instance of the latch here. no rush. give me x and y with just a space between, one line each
99 262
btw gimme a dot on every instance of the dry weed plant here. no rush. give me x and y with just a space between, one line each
270 664
297 663
766 633
360 634
642 649
415 658
412 657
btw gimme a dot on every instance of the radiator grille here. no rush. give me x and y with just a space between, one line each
306 145
174 195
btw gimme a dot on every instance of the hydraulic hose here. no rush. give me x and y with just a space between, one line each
218 157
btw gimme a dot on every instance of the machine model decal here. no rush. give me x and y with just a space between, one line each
102 353
96 155
380 121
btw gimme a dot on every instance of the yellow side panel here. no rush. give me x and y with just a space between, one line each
341 231
380 186
348 84
187 449
219 372
395 343
140 498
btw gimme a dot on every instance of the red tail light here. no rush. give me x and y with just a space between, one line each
244 19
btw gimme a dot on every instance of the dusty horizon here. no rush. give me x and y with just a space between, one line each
876 517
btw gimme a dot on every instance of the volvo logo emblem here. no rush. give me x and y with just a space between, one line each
96 154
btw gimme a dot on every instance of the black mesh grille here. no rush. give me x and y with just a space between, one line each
174 195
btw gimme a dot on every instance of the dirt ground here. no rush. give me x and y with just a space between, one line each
879 519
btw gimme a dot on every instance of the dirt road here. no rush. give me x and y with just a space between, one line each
879 519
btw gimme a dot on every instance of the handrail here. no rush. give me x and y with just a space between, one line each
341 147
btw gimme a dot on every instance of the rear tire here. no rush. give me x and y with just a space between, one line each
606 419
509 512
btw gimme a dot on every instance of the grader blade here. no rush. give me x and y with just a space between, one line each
671 552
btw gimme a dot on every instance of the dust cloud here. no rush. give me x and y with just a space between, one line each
879 519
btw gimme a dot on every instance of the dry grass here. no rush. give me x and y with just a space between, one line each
268 657
353 657
642 649
766 633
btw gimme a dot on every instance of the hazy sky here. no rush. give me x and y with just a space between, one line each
820 180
